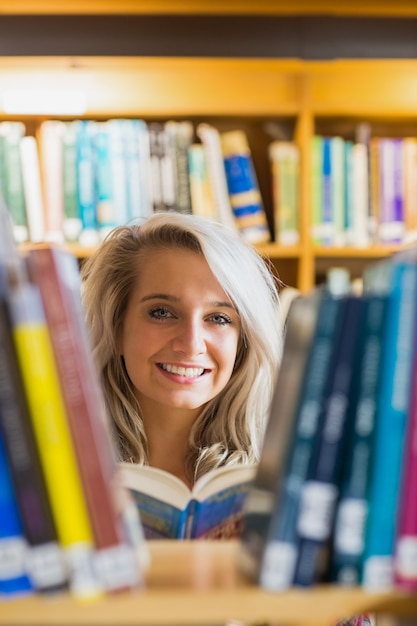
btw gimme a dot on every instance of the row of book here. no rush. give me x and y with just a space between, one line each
334 497
64 523
81 178
363 192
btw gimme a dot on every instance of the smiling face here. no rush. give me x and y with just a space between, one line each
180 334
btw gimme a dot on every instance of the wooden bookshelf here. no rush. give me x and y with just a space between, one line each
197 583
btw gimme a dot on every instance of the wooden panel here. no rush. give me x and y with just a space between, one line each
219 7
164 86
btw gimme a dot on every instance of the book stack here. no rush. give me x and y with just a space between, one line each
333 499
64 521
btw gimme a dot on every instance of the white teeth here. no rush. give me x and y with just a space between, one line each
189 372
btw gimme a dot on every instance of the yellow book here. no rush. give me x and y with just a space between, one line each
53 436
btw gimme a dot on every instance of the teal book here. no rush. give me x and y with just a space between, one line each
170 510
259 506
400 275
281 548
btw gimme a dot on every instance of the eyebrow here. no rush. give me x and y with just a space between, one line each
169 298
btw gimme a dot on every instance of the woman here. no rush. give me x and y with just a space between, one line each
184 318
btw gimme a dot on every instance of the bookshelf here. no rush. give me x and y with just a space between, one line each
197 582
298 97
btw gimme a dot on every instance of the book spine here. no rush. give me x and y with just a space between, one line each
243 189
317 188
405 554
179 137
327 215
72 224
202 200
50 144
259 505
14 578
57 276
32 187
352 508
393 406
105 209
137 169
13 133
279 561
86 183
210 138
360 195
410 188
338 182
348 199
320 491
49 420
144 169
46 564
284 159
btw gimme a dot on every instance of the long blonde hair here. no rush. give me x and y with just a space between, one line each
230 427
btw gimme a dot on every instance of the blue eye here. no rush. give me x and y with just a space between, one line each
159 313
221 319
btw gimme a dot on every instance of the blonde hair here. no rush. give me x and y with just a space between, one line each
230 427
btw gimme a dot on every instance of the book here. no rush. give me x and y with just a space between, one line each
281 545
352 507
49 420
50 148
242 184
179 138
338 183
86 191
405 563
202 199
210 138
391 219
57 275
32 188
137 157
316 150
284 157
319 493
46 565
259 505
400 276
14 196
14 578
71 224
212 509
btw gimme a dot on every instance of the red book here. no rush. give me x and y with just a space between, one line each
405 561
56 272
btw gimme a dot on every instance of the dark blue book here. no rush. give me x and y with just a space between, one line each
352 508
280 555
319 493
259 505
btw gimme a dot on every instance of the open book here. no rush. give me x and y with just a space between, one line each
170 510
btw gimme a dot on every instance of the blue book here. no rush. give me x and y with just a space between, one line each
170 510
400 274
320 490
86 192
327 214
280 554
352 508
14 579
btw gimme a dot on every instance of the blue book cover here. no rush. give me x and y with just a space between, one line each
280 555
327 214
352 508
169 509
393 403
14 579
320 490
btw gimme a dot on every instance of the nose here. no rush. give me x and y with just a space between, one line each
189 338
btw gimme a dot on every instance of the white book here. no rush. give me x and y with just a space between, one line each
32 187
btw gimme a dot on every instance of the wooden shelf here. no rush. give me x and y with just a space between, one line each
195 582
207 7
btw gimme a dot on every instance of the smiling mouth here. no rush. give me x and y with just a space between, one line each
188 372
